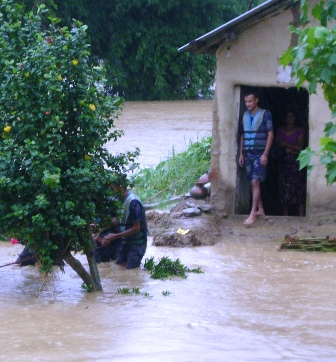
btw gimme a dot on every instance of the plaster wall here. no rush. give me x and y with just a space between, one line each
252 59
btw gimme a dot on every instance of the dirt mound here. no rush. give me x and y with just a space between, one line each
191 223
188 223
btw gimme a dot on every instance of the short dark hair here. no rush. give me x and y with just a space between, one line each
251 92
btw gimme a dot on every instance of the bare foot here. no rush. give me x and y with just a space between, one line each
250 220
261 213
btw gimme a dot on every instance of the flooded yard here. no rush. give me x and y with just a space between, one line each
251 303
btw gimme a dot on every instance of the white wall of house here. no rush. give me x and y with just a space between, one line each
253 60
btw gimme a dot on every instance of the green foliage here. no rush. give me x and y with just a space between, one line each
167 268
139 40
88 288
136 291
176 175
124 291
314 62
55 120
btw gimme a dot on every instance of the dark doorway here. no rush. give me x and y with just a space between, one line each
277 101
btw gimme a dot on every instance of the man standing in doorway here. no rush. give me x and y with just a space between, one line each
256 136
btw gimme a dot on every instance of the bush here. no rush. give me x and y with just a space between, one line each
176 175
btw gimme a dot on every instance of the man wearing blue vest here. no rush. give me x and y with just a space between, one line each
256 136
133 227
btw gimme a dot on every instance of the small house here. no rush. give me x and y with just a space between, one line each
247 51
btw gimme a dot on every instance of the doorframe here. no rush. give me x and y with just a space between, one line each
275 99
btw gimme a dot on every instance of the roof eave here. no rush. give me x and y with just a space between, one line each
209 43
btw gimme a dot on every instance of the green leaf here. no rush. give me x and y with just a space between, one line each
325 159
287 58
331 146
305 157
330 128
331 173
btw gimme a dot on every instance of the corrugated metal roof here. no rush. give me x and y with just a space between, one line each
209 42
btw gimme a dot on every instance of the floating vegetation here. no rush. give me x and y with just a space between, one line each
124 291
88 288
132 291
167 268
326 244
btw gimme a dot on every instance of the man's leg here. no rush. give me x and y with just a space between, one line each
122 254
256 200
261 210
135 255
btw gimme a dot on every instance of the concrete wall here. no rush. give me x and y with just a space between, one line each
253 60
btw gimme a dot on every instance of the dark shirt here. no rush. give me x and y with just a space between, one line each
136 214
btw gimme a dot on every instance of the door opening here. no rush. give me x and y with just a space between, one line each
277 101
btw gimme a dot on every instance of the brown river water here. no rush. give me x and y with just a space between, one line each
252 303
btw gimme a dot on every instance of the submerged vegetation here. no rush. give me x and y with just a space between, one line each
326 244
133 291
176 175
167 268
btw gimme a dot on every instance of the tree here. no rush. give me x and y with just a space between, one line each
313 61
139 41
56 119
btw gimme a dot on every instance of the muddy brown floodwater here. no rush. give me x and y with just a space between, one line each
252 303
158 128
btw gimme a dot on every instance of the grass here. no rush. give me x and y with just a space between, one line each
176 175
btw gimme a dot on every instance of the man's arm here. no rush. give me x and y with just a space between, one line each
264 156
241 155
129 232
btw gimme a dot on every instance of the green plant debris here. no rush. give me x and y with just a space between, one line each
133 291
326 244
167 268
166 293
88 288
124 291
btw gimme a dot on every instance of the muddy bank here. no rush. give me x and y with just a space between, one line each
191 223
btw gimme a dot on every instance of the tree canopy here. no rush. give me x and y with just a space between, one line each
139 40
55 119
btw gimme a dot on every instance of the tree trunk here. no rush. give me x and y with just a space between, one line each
92 263
94 271
80 270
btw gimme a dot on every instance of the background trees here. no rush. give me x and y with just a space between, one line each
314 62
138 41
55 120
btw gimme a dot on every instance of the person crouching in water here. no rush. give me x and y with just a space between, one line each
133 227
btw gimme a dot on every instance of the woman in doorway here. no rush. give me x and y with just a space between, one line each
292 181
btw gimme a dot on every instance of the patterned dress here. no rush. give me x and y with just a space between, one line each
292 181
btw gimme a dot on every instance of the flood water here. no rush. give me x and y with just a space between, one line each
158 128
251 303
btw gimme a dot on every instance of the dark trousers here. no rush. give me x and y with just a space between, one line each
131 254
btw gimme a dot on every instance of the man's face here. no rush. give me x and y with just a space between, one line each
251 102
